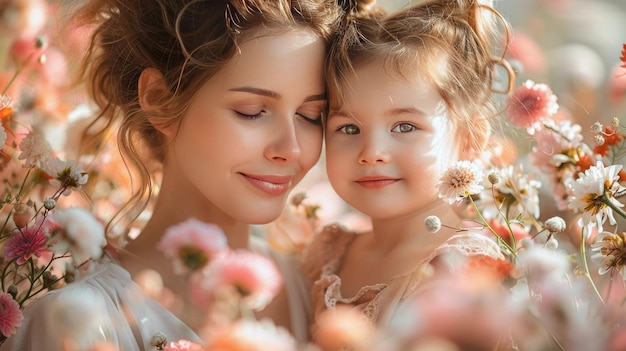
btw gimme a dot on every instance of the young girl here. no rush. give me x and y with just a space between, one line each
226 98
409 96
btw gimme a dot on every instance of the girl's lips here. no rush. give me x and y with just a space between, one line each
376 182
270 184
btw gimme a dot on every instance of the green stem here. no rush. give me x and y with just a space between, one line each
605 200
501 240
583 257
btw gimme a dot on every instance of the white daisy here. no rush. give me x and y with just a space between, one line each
593 191
66 174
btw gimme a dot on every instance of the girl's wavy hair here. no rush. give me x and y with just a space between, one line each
451 42
187 41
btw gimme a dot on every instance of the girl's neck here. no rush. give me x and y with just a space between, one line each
390 234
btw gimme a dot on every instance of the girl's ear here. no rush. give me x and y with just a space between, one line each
152 91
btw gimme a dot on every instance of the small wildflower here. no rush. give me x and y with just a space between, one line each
610 138
555 224
615 122
433 224
494 178
598 140
192 244
610 252
35 150
597 127
66 174
552 244
11 316
530 104
460 181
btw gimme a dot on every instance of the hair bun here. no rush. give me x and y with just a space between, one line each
360 8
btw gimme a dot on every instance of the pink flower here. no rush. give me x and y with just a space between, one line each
26 243
252 277
183 345
530 104
192 244
342 327
250 335
10 315
35 150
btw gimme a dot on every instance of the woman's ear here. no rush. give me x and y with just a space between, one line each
152 90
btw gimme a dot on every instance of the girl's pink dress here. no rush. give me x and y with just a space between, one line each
379 301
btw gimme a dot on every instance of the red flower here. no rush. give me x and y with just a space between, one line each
497 268
610 138
623 57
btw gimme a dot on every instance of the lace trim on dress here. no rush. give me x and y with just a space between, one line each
468 244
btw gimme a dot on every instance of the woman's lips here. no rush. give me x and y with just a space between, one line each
376 182
270 184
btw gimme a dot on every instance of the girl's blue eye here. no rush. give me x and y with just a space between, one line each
403 128
349 129
316 121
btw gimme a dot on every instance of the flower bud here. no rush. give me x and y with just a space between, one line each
13 291
494 178
49 204
433 224
555 224
21 215
159 341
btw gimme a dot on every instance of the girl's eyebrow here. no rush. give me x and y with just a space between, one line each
274 95
402 110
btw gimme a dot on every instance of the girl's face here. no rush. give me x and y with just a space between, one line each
389 143
253 130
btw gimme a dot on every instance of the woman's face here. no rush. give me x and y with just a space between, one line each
253 130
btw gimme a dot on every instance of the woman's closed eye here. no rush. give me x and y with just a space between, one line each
403 128
317 120
248 115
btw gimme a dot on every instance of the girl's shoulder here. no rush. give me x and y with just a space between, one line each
328 245
470 244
